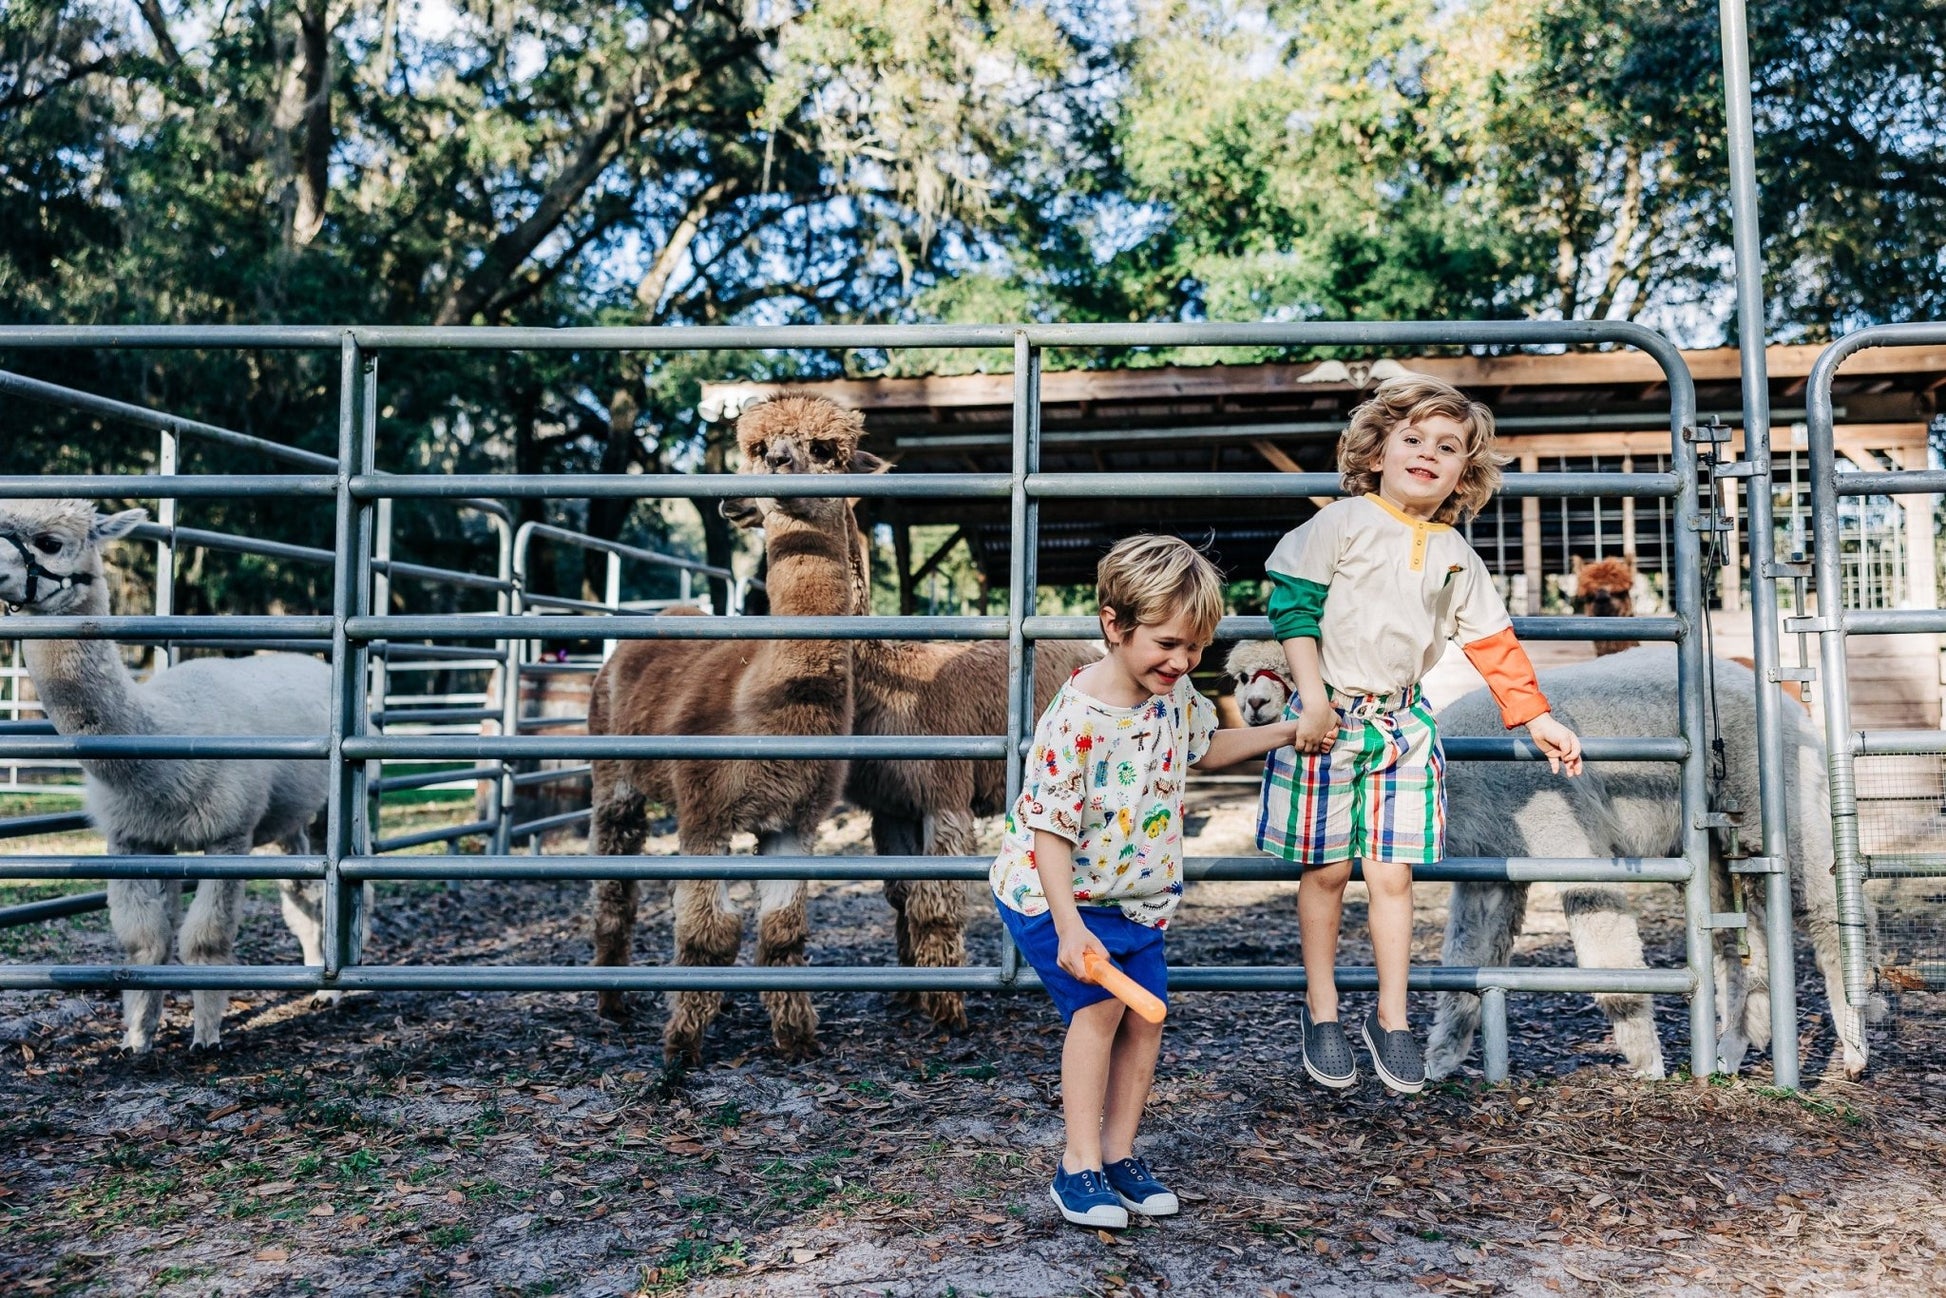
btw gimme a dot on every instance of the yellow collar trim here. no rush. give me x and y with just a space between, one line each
1404 517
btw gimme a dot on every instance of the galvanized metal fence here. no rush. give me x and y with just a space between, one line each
356 631
1920 962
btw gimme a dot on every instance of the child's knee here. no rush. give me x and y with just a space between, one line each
1388 879
1326 878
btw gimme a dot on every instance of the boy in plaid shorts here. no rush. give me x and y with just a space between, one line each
1093 855
1364 598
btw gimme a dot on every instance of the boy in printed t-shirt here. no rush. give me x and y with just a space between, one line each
1364 598
1093 854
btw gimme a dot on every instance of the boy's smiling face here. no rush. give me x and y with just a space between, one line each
1153 656
1420 464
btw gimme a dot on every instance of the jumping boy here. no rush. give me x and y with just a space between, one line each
1093 853
1364 598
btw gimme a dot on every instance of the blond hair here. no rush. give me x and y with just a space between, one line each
1146 580
1406 400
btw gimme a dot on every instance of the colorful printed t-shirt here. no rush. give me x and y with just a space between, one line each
1382 592
1109 780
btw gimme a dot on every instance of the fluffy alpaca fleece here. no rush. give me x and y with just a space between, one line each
1606 588
918 806
151 806
1259 679
1620 810
759 687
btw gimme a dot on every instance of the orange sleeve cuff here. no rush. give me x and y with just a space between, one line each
1510 675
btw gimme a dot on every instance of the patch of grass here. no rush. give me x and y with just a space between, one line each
360 1164
308 1164
725 1115
1430 1234
1812 1104
448 1236
169 1275
691 1259
797 1184
867 1087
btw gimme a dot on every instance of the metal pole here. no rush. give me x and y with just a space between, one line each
1025 518
1493 1034
1763 574
165 546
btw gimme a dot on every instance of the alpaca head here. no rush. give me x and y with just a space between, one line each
794 432
1605 588
1262 680
50 552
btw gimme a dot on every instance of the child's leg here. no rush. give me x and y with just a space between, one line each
1320 905
1390 912
1085 1071
1131 1068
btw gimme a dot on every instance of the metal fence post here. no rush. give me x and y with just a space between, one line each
1763 589
1025 518
165 546
350 597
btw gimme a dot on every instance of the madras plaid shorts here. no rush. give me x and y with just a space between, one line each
1378 793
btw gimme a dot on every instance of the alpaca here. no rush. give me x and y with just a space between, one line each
146 806
1605 588
789 687
919 806
1618 810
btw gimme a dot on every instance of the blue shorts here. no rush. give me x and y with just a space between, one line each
1137 948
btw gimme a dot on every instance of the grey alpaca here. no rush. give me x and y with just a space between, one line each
50 564
1614 809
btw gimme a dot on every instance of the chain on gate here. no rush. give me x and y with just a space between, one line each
1725 815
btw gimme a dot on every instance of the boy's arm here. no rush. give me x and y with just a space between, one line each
1054 862
1227 746
1317 723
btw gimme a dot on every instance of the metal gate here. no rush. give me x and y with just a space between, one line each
1888 819
355 629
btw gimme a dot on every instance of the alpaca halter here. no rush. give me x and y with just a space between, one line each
36 572
1266 673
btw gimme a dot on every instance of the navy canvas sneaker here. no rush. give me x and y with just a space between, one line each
1085 1199
1326 1052
1396 1057
1135 1185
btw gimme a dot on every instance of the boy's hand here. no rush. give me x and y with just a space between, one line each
1316 727
1562 745
1074 941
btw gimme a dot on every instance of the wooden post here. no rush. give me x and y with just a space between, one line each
1530 539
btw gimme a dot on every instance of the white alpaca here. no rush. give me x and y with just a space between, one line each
50 564
1619 810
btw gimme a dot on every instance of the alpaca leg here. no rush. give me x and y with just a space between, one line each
209 937
614 903
899 836
1819 906
1606 936
1732 982
620 822
143 914
1481 922
935 917
783 926
708 932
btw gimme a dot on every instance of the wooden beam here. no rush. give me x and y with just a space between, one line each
920 573
1283 463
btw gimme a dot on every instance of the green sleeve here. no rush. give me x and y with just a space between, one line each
1295 607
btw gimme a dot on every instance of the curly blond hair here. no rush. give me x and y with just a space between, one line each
1147 579
1406 400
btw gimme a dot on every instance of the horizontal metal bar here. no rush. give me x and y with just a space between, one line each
832 978
440 576
51 822
211 746
1894 621
1897 743
683 338
137 630
152 486
142 417
1897 482
681 747
1906 865
527 828
432 716
532 600
556 776
196 537
161 867
1480 748
682 486
1274 484
1258 628
428 779
450 833
527 725
27 727
266 646
1211 869
494 626
37 912
393 649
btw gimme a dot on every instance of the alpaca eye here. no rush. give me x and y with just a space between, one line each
821 450
47 543
758 450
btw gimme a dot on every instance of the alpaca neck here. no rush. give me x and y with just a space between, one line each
82 683
809 569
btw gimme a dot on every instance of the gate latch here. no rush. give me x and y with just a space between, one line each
1757 865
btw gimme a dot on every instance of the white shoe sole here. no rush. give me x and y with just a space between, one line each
1335 1083
1104 1216
1393 1084
1156 1205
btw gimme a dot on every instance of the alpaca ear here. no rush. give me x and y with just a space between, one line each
866 462
112 527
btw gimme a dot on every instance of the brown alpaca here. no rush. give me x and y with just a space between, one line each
761 687
1606 588
920 807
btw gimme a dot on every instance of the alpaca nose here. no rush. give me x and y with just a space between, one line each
778 458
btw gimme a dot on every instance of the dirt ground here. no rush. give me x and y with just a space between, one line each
487 1144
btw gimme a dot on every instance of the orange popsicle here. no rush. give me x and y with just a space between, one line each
1102 972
